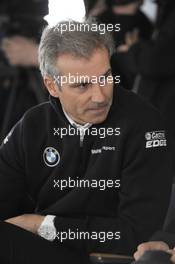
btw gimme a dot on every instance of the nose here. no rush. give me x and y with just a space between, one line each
98 94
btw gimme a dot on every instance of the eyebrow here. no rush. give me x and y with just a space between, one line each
104 74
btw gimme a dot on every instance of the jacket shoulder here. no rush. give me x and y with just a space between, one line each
38 110
38 118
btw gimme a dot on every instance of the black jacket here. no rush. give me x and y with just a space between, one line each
167 234
155 62
137 209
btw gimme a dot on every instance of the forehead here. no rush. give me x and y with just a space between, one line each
97 63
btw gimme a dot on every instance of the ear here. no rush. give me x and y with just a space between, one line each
51 86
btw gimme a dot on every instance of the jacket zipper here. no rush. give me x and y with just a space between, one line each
81 137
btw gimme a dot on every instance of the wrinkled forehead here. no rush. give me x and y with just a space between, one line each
97 64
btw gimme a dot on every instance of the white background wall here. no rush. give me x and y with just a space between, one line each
63 9
150 8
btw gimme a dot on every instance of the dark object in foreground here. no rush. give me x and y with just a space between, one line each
154 257
110 258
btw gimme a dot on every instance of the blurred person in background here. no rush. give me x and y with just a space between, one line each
94 7
20 82
127 13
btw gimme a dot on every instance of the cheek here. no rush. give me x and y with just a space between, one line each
74 103
82 105
108 91
66 101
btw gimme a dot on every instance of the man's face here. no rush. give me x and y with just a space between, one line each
88 98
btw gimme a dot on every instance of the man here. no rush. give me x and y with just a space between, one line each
93 161
130 17
128 14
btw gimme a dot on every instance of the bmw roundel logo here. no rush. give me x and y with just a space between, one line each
51 157
148 136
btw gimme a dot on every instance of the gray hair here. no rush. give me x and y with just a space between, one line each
79 43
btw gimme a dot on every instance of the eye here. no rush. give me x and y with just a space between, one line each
83 86
79 85
103 79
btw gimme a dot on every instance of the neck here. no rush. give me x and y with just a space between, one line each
69 117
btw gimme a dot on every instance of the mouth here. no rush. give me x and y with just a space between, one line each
99 109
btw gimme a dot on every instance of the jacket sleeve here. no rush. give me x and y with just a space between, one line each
168 233
11 173
146 180
168 238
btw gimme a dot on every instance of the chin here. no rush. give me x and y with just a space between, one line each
99 119
96 117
